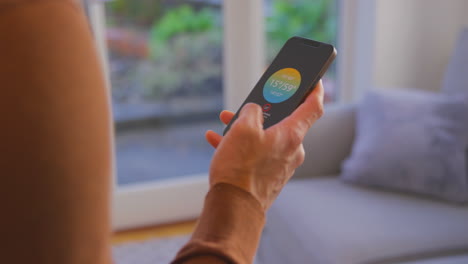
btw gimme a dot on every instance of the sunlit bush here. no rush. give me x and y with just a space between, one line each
312 19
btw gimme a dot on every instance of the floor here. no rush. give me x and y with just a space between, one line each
161 231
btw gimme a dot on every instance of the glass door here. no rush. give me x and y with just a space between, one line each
165 62
165 70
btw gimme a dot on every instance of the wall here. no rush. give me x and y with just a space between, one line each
414 40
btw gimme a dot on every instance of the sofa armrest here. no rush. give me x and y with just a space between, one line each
328 142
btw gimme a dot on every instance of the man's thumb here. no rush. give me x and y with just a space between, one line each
252 114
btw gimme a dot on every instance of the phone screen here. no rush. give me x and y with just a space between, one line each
291 76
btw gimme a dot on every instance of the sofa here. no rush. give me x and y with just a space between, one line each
319 219
322 220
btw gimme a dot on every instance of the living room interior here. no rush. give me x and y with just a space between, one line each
385 180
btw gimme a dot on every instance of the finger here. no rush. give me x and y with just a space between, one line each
226 116
308 112
213 138
251 115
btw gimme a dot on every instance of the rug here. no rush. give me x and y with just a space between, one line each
152 251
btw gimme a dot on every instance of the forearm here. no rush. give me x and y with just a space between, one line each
55 137
228 230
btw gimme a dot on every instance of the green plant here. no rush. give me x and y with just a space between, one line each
186 48
191 65
179 20
313 19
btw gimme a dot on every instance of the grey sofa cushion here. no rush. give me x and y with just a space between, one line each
455 80
323 220
411 141
456 76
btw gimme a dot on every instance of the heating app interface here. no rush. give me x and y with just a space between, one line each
282 85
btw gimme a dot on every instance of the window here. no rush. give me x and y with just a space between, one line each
165 62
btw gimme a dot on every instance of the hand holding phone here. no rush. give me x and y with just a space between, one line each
290 78
262 161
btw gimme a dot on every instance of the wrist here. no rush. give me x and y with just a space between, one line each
222 230
245 184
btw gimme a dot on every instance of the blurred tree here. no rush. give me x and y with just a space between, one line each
179 20
190 65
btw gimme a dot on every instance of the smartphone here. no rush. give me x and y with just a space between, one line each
291 76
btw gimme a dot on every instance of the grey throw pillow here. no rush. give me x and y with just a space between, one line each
455 80
411 141
456 75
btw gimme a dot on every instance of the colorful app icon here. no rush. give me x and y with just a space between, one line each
282 85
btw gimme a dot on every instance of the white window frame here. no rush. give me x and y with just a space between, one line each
356 45
152 203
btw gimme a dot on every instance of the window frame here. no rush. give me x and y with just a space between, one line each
356 44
